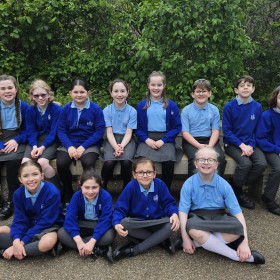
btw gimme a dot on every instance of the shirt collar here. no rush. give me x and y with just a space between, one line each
151 189
201 183
42 112
118 109
239 102
29 195
94 202
200 108
86 106
160 101
3 106
277 110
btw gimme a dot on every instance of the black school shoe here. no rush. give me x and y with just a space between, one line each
6 211
245 201
258 258
107 251
123 251
272 206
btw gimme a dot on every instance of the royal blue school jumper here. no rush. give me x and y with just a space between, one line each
134 204
37 125
21 137
86 132
29 219
240 122
268 135
76 212
173 122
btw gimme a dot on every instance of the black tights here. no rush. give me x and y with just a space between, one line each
12 167
167 172
108 170
63 162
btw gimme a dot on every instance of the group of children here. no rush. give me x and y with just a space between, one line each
75 132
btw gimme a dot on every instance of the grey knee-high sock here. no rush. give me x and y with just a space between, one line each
32 249
6 241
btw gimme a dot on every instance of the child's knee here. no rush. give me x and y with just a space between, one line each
48 241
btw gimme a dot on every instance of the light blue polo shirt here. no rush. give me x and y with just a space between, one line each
156 116
8 116
151 189
218 194
79 111
200 122
120 119
239 102
90 209
33 196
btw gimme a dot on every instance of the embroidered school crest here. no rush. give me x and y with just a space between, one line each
155 197
253 117
49 117
42 206
90 123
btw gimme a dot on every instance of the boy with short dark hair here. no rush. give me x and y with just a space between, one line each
240 120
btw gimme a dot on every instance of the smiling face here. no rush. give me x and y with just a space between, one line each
31 178
244 90
90 189
156 87
201 96
41 97
144 174
206 161
8 92
119 94
79 95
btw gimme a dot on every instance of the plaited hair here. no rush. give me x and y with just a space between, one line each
165 100
17 102
40 84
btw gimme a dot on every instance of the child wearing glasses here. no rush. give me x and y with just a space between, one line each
12 138
158 125
205 199
41 123
201 125
240 120
145 212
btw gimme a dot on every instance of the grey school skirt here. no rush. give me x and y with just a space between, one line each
6 136
167 152
49 153
214 221
134 223
129 150
38 236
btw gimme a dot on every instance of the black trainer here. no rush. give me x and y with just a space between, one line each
6 211
272 206
245 201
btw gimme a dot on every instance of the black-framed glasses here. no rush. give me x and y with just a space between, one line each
206 160
142 173
42 95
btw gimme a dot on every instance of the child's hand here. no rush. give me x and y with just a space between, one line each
121 230
159 143
80 246
10 146
19 251
9 253
151 143
188 246
174 220
243 251
247 150
72 152
79 152
88 247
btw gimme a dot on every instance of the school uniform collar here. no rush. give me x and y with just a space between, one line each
94 202
87 105
122 109
160 101
201 183
200 108
151 189
277 110
29 195
239 102
42 112
3 106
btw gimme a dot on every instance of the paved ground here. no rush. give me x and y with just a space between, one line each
264 236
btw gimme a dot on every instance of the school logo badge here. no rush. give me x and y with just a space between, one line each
49 117
253 117
42 206
155 197
90 123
